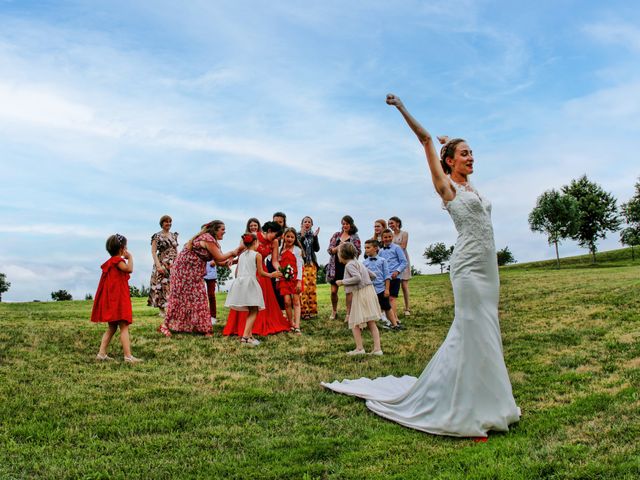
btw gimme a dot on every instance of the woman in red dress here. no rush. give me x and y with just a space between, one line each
188 308
270 320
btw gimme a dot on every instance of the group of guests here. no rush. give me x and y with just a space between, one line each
275 277
286 277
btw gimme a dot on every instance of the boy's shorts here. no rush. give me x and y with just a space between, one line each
384 302
394 287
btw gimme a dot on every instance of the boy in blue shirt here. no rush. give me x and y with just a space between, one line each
211 278
396 261
378 265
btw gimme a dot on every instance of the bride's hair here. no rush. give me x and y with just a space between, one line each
448 150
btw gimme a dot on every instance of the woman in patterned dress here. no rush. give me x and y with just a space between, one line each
401 238
188 308
164 250
309 240
335 269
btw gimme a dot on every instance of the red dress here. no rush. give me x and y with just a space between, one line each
188 307
112 302
270 320
288 287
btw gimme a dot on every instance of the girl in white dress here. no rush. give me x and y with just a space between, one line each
245 292
464 391
364 309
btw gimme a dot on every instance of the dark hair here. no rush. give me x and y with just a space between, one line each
347 251
296 242
372 241
448 150
272 226
250 221
165 218
115 243
302 221
386 230
280 214
397 220
349 219
248 238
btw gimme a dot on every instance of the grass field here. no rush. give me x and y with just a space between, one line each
208 408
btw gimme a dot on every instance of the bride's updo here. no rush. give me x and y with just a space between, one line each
448 150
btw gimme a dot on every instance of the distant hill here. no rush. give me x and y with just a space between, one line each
611 258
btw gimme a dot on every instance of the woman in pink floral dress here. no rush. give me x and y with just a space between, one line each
188 308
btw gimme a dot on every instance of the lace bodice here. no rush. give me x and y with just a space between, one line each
471 214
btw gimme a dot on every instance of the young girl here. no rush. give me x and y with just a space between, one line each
112 303
245 293
364 309
291 288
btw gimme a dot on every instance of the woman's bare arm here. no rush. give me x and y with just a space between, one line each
440 180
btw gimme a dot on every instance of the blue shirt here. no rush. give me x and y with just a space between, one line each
212 272
378 265
395 257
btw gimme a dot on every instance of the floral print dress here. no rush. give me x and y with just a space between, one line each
166 251
188 308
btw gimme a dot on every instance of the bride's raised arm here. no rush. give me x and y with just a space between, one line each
438 176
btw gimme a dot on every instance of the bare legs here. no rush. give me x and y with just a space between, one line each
334 300
375 334
405 295
251 318
293 308
112 327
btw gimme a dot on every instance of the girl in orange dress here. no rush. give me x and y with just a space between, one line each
290 285
112 303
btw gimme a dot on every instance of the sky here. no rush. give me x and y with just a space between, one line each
115 113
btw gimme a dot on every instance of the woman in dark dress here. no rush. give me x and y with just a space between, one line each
335 269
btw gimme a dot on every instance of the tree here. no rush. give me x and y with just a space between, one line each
415 272
61 295
437 254
556 215
597 213
134 291
224 273
505 257
321 275
88 296
631 212
4 285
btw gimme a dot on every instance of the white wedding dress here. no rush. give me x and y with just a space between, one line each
464 391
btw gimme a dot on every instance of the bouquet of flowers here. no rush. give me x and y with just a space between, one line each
287 272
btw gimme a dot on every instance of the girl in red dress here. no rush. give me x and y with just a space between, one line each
290 285
112 303
270 320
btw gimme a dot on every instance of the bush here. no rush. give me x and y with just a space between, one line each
61 296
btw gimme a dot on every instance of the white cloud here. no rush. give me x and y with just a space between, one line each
615 33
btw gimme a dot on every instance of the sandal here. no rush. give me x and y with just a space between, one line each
297 331
249 341
102 358
333 315
132 359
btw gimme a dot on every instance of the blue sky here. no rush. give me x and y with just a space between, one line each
115 113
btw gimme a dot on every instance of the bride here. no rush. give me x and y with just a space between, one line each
464 391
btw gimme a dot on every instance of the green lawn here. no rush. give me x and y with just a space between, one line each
209 408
